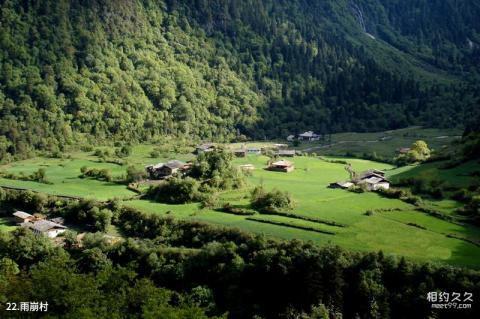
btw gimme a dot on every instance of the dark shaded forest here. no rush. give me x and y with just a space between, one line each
169 268
74 72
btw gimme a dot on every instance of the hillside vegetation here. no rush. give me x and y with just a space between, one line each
78 71
169 268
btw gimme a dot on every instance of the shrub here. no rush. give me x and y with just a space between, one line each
419 152
228 208
217 171
57 154
86 148
39 176
211 201
360 188
124 151
416 225
403 195
335 161
135 174
176 191
154 154
271 201
99 174
462 195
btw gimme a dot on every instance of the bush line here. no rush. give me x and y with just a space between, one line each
306 218
290 225
229 209
417 226
471 241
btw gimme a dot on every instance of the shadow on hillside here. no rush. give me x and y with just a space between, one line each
465 254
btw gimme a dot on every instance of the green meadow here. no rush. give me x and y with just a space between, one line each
383 144
395 228
6 224
460 176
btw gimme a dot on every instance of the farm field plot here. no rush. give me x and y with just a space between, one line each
63 174
390 231
460 176
383 144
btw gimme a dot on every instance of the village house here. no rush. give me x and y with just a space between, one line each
285 153
308 136
282 166
163 170
153 170
373 180
22 217
254 150
291 138
375 183
49 228
45 227
205 147
241 152
371 173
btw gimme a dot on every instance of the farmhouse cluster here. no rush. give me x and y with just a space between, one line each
371 179
308 136
164 170
173 168
51 228
277 149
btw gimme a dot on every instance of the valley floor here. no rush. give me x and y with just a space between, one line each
395 227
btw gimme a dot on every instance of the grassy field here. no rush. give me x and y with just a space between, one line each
399 232
459 176
384 144
387 231
64 173
6 224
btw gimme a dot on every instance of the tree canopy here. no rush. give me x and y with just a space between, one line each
75 72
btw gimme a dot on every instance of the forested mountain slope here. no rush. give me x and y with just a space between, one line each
100 70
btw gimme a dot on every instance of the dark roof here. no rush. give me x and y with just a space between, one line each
372 173
45 225
175 164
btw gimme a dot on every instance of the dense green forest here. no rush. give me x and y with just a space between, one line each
73 72
169 268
